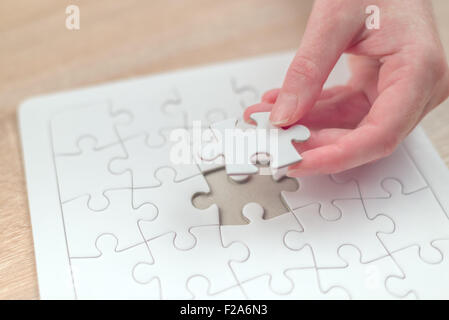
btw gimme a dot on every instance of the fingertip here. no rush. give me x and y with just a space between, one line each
258 107
271 95
247 115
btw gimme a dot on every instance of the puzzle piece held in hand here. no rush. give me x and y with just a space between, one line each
240 146
174 267
280 148
262 237
325 237
109 275
87 173
84 226
424 280
237 146
176 212
418 219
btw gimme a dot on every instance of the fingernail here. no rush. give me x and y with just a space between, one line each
284 108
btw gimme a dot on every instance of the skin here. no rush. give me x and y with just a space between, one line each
399 74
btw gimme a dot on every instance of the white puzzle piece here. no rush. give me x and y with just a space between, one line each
69 127
176 212
318 188
231 97
241 145
363 281
200 288
325 237
151 115
237 151
175 267
87 173
109 276
281 150
422 280
142 161
306 287
120 218
370 176
417 216
206 166
196 142
262 236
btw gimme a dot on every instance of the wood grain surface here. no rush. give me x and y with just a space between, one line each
119 39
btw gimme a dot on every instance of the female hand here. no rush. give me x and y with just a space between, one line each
399 74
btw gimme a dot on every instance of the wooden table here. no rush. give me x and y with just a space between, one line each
119 39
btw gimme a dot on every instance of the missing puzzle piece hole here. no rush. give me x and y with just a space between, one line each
262 189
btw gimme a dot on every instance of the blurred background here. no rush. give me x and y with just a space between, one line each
119 39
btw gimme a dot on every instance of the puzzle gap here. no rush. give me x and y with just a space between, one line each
231 196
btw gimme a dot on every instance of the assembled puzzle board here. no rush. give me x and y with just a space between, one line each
112 218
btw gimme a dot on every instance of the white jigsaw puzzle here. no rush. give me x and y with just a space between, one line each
69 127
174 267
200 288
142 161
120 218
417 216
262 236
86 173
151 115
422 280
112 213
110 274
370 176
362 281
197 105
325 237
321 189
305 287
175 215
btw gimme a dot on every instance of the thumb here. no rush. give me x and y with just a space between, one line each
332 27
